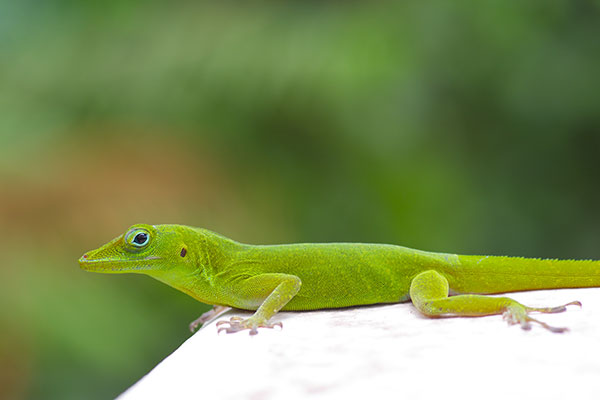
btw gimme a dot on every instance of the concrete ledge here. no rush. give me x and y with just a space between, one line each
389 350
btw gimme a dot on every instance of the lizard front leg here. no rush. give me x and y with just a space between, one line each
429 293
270 291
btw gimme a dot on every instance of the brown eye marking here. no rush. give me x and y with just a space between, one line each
183 252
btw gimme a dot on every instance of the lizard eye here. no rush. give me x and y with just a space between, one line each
139 238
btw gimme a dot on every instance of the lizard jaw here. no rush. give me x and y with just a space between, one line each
116 265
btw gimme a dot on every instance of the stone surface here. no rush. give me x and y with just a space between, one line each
389 351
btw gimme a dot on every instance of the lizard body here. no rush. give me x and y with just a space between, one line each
219 271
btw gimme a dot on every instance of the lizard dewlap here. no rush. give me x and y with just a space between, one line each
219 271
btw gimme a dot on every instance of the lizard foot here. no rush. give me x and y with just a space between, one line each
518 314
207 316
237 324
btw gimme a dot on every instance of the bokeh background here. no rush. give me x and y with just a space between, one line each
448 126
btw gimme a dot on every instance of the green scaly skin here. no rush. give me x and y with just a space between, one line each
219 271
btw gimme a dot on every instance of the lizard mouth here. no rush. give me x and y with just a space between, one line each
116 265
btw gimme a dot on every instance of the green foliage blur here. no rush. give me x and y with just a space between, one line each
457 126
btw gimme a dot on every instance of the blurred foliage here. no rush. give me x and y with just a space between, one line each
449 126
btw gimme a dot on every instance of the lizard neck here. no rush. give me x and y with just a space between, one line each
207 254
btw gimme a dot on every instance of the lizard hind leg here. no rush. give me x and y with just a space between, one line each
429 294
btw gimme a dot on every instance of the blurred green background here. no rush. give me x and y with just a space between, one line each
448 126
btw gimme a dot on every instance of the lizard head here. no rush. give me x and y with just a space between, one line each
142 248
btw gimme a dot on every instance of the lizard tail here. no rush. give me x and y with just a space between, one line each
509 274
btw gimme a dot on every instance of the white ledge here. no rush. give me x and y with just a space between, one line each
389 350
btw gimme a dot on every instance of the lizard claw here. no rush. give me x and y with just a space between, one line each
237 324
553 310
194 325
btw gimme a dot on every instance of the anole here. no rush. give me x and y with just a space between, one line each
224 273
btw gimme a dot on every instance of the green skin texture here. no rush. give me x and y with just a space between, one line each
219 271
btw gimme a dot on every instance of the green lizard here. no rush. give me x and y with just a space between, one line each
219 271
